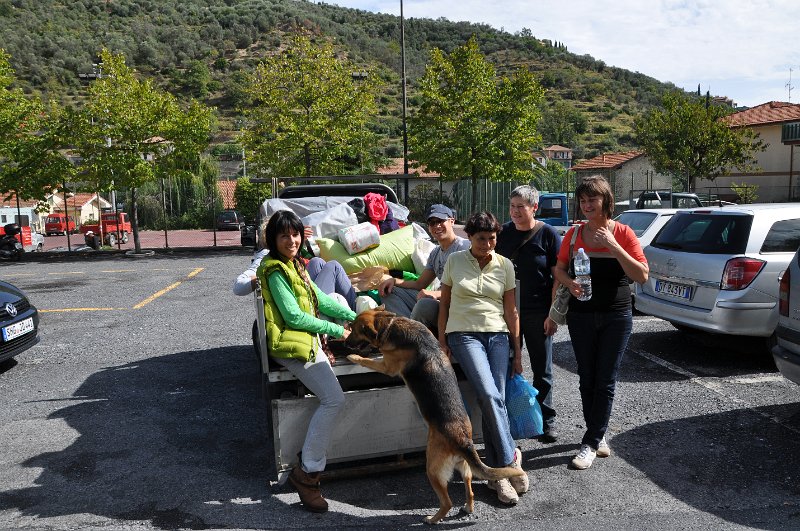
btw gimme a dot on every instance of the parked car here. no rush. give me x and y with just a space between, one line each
787 352
645 223
716 269
230 220
58 223
19 322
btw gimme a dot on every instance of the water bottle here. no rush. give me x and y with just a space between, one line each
583 270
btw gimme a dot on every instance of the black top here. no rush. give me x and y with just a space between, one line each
533 264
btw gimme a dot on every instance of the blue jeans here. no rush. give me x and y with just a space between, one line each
330 277
599 341
484 358
540 351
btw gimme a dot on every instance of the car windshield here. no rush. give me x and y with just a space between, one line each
549 208
638 221
705 233
53 220
227 216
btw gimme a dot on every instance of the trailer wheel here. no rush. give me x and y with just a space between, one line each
112 239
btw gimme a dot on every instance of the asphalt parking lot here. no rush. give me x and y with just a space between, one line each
141 409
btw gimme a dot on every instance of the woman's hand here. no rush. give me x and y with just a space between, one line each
445 348
550 327
517 365
346 333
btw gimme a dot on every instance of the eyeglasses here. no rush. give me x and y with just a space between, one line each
433 221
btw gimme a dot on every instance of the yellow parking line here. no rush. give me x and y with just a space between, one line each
119 271
68 273
156 295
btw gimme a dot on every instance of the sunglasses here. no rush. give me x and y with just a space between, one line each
433 221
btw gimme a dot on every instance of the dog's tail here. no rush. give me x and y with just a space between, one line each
481 471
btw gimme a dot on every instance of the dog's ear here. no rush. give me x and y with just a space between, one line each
380 308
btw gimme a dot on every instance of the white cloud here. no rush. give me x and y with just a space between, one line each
738 48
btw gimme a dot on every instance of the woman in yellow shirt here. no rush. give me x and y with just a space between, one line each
479 326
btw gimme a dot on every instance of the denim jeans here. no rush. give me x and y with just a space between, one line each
330 277
484 358
540 351
599 340
319 378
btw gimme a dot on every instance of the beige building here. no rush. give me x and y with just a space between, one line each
629 173
775 184
81 206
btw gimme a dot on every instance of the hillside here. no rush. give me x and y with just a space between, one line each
204 48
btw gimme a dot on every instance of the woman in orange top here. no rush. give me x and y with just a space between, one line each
600 327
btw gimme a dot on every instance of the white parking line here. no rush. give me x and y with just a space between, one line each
711 385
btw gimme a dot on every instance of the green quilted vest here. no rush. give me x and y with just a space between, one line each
284 342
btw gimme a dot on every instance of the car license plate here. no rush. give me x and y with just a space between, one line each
672 289
18 329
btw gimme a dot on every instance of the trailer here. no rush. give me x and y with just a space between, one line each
380 426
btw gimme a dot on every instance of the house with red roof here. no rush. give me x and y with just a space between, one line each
627 172
779 173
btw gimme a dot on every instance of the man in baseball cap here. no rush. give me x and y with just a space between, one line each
413 298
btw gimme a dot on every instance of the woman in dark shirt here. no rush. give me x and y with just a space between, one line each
600 327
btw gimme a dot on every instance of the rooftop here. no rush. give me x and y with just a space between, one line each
773 112
607 161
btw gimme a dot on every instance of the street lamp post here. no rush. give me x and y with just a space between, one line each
405 100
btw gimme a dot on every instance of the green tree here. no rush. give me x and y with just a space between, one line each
309 115
554 176
691 140
470 124
30 164
131 133
249 196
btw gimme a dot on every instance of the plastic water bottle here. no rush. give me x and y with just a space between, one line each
583 275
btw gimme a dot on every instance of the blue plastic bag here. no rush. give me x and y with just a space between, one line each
524 411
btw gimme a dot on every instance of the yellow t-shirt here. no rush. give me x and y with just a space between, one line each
476 301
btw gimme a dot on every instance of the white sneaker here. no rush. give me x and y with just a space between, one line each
603 449
505 492
520 483
585 457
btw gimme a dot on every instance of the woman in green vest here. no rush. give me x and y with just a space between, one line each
295 338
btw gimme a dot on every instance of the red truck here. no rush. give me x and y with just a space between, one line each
116 225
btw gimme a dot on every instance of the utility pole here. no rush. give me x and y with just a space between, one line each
789 86
405 99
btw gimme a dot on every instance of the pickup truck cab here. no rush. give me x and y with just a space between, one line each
667 199
554 210
115 225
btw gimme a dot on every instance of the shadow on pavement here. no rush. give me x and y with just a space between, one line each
722 463
179 441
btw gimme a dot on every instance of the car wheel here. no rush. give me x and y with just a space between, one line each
124 237
112 239
39 247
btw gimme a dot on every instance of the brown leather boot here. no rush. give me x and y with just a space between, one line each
307 486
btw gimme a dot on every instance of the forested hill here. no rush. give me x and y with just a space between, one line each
204 48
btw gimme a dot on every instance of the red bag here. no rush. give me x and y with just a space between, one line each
376 206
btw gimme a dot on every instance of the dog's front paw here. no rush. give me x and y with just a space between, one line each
355 358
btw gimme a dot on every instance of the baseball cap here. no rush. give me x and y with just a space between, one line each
440 212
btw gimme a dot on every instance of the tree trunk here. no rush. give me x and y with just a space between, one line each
307 156
474 182
137 246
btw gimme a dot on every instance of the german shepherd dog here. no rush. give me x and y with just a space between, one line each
411 352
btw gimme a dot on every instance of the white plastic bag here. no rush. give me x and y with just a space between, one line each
359 237
364 303
422 250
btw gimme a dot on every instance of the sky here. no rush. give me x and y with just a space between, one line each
742 49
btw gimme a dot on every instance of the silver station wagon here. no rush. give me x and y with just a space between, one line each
717 269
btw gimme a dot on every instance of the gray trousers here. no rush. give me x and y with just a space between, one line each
403 302
319 378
